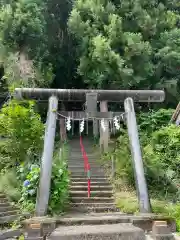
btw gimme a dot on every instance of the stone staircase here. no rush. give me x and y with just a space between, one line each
96 218
101 199
8 212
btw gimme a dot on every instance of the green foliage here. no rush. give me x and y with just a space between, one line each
162 155
128 203
154 120
160 143
22 132
127 44
117 44
29 176
20 71
9 185
99 30
59 186
168 55
23 24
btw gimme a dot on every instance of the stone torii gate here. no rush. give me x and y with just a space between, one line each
91 97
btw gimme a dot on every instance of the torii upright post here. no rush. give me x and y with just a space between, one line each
141 185
46 163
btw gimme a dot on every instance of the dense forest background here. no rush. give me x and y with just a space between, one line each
91 44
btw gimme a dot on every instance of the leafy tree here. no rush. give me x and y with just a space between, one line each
36 31
61 45
123 44
23 25
169 61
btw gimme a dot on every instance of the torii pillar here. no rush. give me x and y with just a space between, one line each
126 96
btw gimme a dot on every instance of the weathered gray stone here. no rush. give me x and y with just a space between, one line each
99 232
10 233
39 226
163 237
34 238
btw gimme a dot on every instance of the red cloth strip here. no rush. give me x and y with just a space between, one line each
86 165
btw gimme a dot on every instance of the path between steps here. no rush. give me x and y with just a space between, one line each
101 190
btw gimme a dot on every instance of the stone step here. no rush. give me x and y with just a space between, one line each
2 196
93 219
89 151
93 205
7 209
93 194
77 149
4 204
81 165
3 200
11 218
93 188
83 174
73 183
85 144
100 209
144 221
8 213
92 199
83 179
92 170
88 148
98 232
81 160
90 157
8 219
80 154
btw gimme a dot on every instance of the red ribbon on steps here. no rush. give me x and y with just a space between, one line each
86 166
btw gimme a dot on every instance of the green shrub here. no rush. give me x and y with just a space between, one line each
59 187
160 144
22 132
9 184
154 120
128 203
162 155
29 176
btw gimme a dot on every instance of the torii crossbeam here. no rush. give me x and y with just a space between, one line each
91 95
80 94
